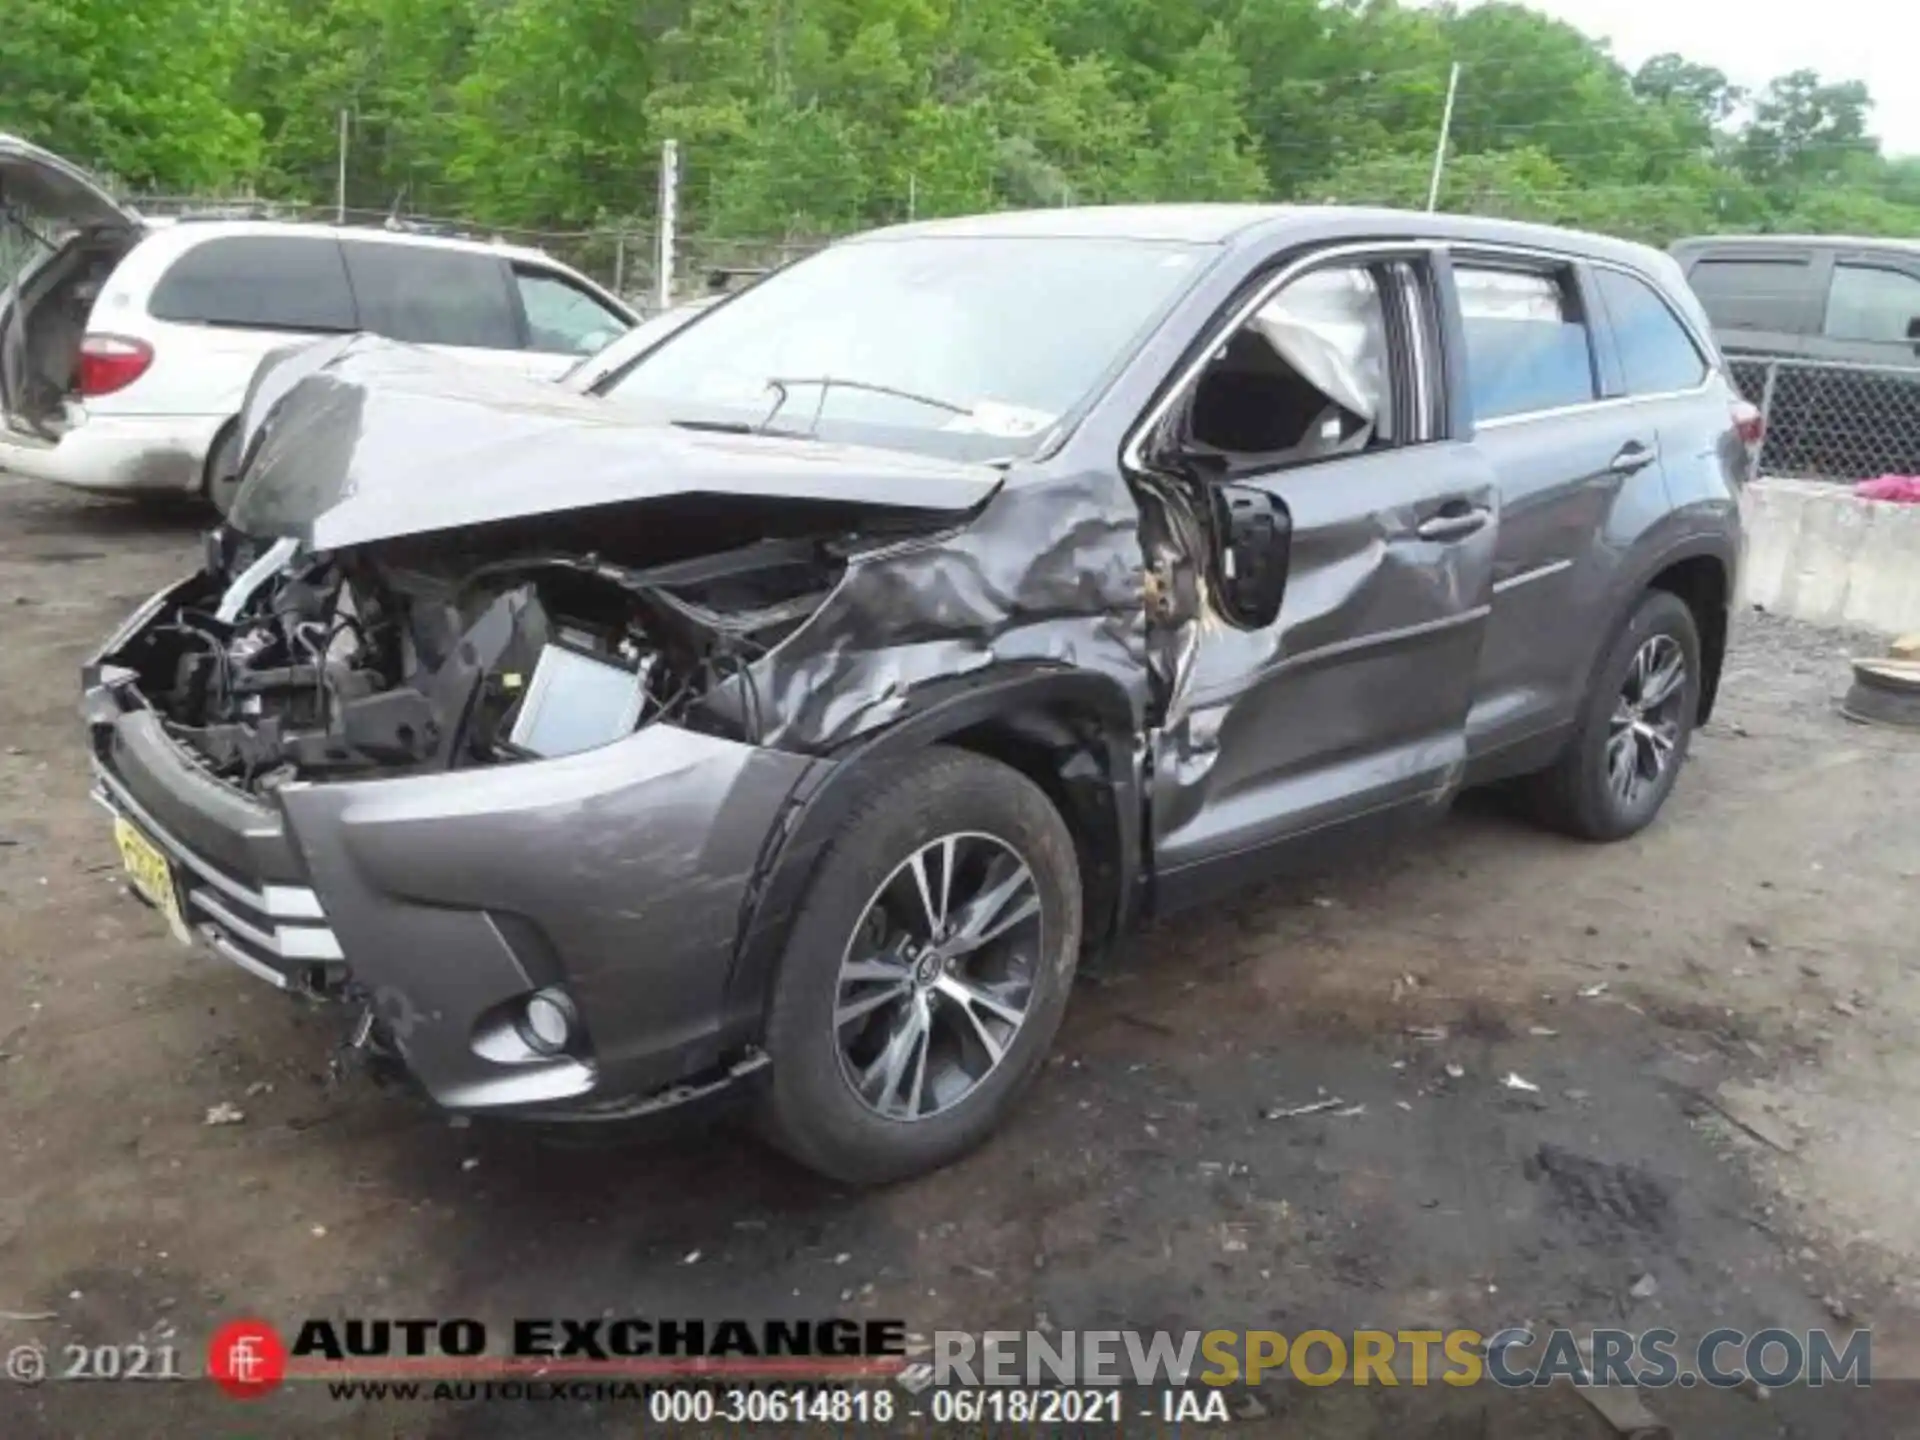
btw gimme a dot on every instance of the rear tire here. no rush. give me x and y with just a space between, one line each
895 1051
221 479
1634 727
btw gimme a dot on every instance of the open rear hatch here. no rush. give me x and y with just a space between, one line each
61 235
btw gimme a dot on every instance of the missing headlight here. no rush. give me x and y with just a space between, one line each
577 702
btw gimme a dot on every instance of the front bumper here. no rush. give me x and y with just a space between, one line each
277 932
624 876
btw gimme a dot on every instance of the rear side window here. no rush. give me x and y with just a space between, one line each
1528 348
1753 294
1871 302
265 282
428 296
1656 353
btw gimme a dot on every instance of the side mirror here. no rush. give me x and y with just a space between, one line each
1253 535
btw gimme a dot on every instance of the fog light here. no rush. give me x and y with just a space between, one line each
547 1021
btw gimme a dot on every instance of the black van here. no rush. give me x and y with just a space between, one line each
1842 315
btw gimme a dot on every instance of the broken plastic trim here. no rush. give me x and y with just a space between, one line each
270 562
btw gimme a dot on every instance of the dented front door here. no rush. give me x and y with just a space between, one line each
1352 705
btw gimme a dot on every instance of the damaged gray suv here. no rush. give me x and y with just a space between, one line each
799 710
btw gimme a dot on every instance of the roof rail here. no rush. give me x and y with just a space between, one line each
268 210
226 210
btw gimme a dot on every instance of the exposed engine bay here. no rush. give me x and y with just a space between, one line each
562 574
279 664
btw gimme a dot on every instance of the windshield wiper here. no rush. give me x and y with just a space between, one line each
782 383
736 427
724 427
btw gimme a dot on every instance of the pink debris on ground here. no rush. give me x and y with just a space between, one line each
1901 489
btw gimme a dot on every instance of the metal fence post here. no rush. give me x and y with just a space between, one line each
669 212
1766 415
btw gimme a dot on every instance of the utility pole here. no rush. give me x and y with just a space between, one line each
669 207
1446 130
913 193
340 184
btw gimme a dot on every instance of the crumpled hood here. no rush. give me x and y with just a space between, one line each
355 439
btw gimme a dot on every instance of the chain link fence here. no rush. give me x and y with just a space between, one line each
623 258
1833 421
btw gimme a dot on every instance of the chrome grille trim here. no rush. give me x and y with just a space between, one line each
270 932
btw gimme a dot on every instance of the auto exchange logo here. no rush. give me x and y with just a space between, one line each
246 1358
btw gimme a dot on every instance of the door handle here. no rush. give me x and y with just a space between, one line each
1455 524
1633 457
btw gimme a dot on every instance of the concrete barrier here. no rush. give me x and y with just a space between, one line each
1816 553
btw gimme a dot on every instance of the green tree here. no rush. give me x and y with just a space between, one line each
1201 149
390 65
1805 131
822 115
138 91
552 113
1700 92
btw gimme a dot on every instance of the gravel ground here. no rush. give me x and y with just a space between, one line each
1756 951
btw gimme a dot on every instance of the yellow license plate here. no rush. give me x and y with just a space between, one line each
150 873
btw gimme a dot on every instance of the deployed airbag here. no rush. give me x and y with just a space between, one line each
1327 327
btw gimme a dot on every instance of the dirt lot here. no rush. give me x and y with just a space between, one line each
1760 937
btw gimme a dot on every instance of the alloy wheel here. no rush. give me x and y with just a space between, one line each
937 978
1643 734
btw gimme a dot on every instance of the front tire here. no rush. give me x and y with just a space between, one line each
926 971
1634 727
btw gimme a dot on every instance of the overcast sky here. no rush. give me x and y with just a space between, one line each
1877 41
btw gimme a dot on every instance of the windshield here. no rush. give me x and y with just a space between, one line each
583 372
969 348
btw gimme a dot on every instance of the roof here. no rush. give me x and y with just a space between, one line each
1262 225
190 229
1197 224
1832 242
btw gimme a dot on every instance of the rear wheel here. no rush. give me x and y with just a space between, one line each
926 972
222 478
1634 727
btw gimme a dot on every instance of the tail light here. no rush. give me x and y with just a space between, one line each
1750 425
111 362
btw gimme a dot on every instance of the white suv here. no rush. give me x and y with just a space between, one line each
126 344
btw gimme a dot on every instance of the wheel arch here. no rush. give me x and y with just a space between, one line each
1700 573
1701 567
228 429
1072 732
